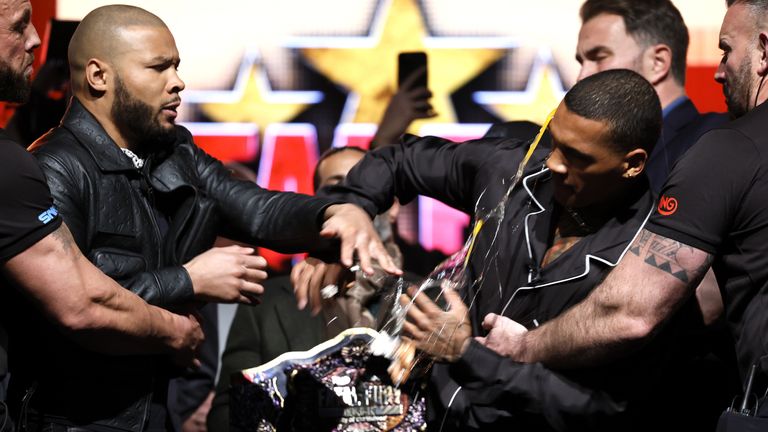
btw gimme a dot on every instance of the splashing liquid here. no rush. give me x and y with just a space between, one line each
451 274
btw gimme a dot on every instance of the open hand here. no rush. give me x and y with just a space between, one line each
353 227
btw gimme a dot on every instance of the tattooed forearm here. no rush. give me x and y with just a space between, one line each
678 259
665 248
64 237
642 241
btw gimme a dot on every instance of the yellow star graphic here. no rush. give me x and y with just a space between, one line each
254 104
543 94
370 71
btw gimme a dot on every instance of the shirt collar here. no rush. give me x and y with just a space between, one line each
675 103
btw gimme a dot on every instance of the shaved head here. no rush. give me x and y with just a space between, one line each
101 35
124 69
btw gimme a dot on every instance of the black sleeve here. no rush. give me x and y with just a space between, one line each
283 221
496 389
521 129
431 166
27 213
697 204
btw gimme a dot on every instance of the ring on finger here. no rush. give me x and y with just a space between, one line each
329 291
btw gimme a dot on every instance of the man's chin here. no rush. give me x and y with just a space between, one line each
563 197
564 201
168 126
16 93
734 110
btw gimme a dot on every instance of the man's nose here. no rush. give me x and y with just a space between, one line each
555 163
587 69
720 73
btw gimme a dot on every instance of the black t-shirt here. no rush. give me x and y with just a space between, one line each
27 214
26 209
716 200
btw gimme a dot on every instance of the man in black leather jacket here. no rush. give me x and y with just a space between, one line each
141 199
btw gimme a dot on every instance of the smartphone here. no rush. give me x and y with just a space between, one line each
407 63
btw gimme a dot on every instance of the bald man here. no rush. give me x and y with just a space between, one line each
145 205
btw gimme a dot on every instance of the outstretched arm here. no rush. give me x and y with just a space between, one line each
92 308
654 278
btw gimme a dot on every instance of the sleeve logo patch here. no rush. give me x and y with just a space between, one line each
667 206
48 215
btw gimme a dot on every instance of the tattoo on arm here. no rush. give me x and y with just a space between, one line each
64 237
671 256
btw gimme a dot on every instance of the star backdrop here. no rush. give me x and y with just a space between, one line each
272 84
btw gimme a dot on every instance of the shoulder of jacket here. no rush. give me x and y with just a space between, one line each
56 140
60 145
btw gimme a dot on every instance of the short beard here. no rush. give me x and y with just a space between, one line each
14 86
737 92
138 122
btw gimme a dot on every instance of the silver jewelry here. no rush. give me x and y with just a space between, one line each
329 291
138 162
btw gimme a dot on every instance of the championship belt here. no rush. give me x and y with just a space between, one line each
339 385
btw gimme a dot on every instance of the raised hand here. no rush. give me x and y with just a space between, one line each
409 103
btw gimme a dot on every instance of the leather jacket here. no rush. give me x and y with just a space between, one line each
108 205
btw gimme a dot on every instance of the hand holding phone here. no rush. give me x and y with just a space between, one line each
412 69
410 102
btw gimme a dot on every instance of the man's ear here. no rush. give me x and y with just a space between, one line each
97 74
658 63
634 163
762 46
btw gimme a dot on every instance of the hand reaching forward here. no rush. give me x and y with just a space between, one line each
353 227
231 274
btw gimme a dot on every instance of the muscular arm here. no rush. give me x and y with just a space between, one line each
90 307
654 278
